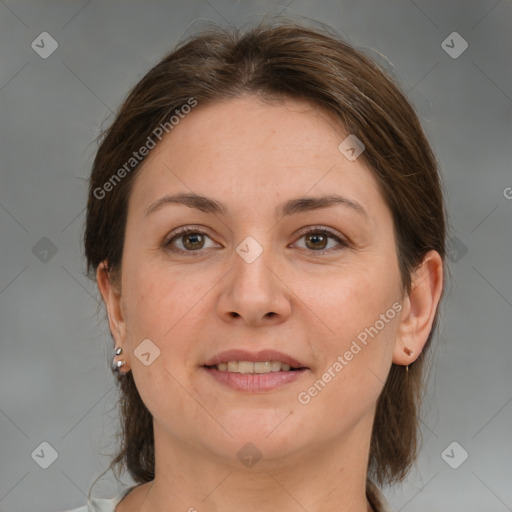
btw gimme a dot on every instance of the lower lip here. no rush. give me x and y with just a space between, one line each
255 381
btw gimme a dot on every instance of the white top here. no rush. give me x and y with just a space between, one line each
101 504
373 493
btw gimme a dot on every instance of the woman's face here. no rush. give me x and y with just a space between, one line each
259 274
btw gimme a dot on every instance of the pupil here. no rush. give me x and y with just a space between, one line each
197 238
315 239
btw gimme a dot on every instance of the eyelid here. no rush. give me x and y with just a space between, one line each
185 230
307 229
341 239
182 230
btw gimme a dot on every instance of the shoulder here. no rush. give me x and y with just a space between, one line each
376 498
101 504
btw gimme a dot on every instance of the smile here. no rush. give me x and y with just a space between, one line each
258 367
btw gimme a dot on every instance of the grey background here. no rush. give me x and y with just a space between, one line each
55 385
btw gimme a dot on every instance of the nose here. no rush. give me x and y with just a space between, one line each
254 293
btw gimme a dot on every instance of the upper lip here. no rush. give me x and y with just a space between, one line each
260 356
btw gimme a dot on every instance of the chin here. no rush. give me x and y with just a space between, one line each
272 430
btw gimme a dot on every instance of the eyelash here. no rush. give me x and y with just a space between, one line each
311 230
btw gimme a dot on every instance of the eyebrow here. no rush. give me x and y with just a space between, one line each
290 207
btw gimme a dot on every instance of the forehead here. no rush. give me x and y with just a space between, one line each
281 130
245 148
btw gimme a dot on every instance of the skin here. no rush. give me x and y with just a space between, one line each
252 156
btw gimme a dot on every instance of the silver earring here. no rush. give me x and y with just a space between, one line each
116 365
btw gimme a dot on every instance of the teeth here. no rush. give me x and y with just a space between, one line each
250 367
275 366
245 367
262 367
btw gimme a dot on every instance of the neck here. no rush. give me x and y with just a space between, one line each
330 477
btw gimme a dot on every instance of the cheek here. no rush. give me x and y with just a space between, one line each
360 313
352 300
166 306
355 368
154 296
158 307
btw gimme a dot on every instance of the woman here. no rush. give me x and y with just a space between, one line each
266 227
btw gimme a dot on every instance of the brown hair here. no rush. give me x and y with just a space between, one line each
281 59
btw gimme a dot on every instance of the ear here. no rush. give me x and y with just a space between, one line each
419 308
112 299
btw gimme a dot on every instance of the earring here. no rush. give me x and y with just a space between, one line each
116 365
408 352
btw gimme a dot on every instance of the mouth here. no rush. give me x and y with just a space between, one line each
254 367
262 371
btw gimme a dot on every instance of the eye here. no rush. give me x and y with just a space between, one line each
317 239
188 239
192 240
